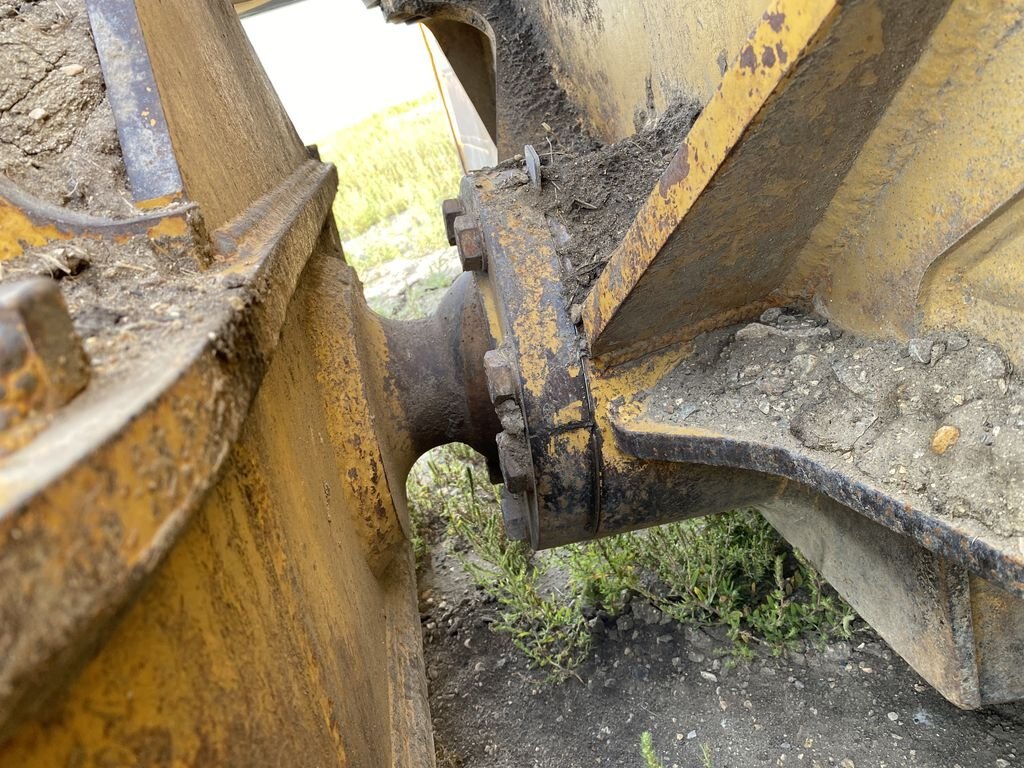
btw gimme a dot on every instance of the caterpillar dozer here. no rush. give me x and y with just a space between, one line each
814 309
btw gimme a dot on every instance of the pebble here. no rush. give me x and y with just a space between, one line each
711 677
920 350
944 438
893 716
38 114
847 763
72 69
955 343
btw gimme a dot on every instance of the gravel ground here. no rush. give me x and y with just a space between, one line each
851 704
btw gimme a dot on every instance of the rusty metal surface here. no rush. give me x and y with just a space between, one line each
27 222
990 559
42 363
951 626
722 231
547 420
158 442
131 90
435 374
265 637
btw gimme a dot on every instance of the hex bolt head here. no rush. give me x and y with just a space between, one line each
514 513
42 363
516 466
501 377
470 241
450 210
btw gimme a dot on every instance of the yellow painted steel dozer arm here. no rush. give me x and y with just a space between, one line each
204 553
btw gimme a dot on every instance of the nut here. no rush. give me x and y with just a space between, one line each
515 513
516 466
450 210
42 364
501 377
470 240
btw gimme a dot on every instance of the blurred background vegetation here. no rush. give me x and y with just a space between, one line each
394 168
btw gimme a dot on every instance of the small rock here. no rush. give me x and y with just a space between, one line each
691 735
955 342
893 716
609 683
38 114
479 667
624 623
847 763
770 316
576 314
695 657
72 69
711 677
1000 763
646 613
944 438
920 350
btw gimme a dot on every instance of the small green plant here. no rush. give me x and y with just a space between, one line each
731 569
647 750
705 755
545 624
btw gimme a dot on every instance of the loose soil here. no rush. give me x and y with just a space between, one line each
938 423
590 194
849 704
58 141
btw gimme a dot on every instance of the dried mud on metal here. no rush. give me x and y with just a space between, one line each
57 136
59 144
590 194
937 423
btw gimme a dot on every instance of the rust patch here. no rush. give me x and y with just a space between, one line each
748 59
775 20
676 172
768 56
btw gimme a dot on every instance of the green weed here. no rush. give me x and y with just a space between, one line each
705 755
647 751
731 569
545 624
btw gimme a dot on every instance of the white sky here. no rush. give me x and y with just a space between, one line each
333 62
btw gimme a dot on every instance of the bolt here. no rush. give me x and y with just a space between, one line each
501 377
470 240
450 209
514 513
42 364
516 466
